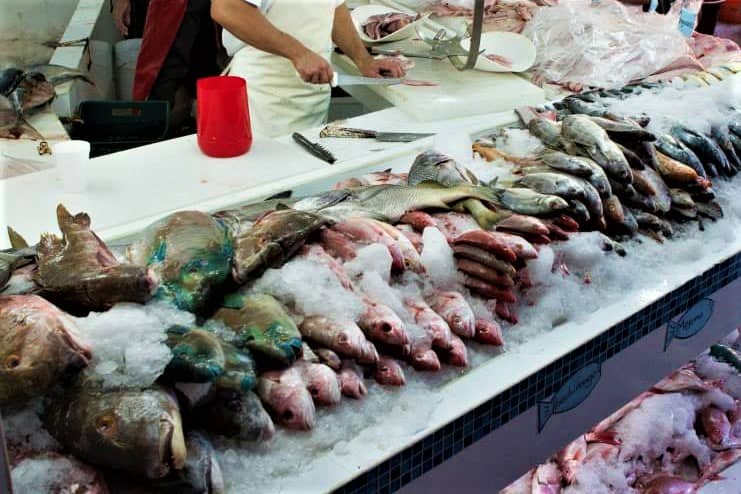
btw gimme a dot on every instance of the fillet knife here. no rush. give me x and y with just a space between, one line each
356 80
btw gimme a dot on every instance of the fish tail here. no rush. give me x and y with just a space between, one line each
545 412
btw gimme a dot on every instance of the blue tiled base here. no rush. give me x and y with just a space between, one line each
430 452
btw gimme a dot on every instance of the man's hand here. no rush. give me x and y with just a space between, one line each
384 67
312 68
122 15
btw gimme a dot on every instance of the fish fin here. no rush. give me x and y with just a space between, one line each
16 240
49 244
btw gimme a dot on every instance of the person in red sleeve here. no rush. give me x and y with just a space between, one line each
180 44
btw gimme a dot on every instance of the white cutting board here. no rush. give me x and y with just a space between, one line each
458 94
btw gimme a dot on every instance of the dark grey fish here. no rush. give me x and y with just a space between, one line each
623 129
635 162
9 80
437 167
722 138
580 107
680 152
736 141
579 211
734 125
705 148
547 131
682 198
652 222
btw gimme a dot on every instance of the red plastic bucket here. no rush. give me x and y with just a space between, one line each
223 117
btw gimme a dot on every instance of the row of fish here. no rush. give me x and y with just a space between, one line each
674 438
275 361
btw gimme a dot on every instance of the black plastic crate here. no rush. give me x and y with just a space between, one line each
111 126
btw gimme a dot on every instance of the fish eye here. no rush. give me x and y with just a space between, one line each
386 327
383 368
105 425
344 338
287 415
313 390
12 362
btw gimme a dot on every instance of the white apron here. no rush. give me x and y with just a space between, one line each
280 101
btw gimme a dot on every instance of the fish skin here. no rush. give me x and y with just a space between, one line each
624 129
285 396
614 210
553 183
580 211
271 241
736 142
652 222
380 323
563 162
529 202
351 380
342 337
263 326
581 130
390 202
676 172
710 209
488 333
321 382
521 223
365 231
717 427
484 273
681 198
721 136
410 255
329 358
430 321
39 347
12 259
704 147
388 372
487 241
419 220
483 257
202 356
677 150
457 355
237 415
547 131
438 167
138 431
524 249
489 291
456 311
635 162
80 272
10 77
338 244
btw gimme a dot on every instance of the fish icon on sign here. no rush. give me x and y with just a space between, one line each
571 394
691 322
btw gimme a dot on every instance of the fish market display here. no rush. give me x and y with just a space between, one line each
674 438
381 25
269 335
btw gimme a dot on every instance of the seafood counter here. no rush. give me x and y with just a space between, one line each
678 436
301 340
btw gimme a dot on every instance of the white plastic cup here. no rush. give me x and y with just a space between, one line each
72 160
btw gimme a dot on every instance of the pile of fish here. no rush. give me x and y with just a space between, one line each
674 438
300 300
25 91
381 25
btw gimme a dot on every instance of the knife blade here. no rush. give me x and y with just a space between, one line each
356 80
346 132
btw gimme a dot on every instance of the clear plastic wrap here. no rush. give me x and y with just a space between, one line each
602 44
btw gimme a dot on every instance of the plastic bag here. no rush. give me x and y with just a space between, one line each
602 44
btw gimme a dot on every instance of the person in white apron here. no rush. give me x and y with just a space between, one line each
282 48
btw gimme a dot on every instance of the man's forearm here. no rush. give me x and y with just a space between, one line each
346 37
247 23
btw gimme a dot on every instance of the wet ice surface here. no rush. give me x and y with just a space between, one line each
128 342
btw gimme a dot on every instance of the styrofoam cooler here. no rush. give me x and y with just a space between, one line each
126 53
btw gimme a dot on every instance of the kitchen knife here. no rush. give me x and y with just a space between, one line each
344 132
356 80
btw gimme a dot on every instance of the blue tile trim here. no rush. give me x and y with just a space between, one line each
429 452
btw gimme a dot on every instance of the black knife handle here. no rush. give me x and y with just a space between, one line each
315 149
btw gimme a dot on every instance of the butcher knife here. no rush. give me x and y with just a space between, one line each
356 80
345 132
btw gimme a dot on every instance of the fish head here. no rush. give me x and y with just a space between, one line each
293 406
426 360
322 384
489 332
202 472
554 203
352 385
346 342
389 372
136 431
39 346
241 415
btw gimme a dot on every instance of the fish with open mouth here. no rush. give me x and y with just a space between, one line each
80 272
285 395
39 347
138 431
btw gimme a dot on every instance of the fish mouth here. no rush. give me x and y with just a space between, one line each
172 448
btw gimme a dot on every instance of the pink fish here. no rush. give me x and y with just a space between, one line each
456 311
285 395
320 381
338 245
381 324
389 372
523 224
485 273
351 380
367 231
488 242
343 337
488 333
489 291
419 220
432 323
457 355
